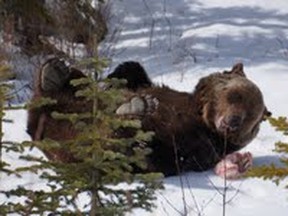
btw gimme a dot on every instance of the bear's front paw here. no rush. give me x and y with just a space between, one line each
234 165
54 75
138 106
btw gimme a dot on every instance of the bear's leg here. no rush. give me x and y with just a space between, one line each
134 73
234 165
53 76
40 129
51 82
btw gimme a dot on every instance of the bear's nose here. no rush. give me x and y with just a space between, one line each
230 123
234 122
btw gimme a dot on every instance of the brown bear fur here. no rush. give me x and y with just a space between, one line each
189 127
193 131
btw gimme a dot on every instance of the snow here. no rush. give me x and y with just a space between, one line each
178 42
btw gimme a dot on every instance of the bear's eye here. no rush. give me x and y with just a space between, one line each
234 97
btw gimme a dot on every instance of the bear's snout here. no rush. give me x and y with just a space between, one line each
229 123
234 122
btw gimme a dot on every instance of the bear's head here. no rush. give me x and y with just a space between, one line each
231 104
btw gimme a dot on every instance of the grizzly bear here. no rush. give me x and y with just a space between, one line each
193 131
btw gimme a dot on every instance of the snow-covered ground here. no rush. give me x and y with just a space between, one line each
178 42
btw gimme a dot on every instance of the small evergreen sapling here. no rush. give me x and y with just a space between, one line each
4 88
273 172
6 146
105 161
5 95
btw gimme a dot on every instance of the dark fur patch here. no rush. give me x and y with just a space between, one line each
134 73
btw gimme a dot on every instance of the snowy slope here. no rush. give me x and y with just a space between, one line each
180 41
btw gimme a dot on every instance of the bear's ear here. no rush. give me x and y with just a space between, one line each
238 69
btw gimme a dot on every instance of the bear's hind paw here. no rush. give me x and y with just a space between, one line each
54 75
